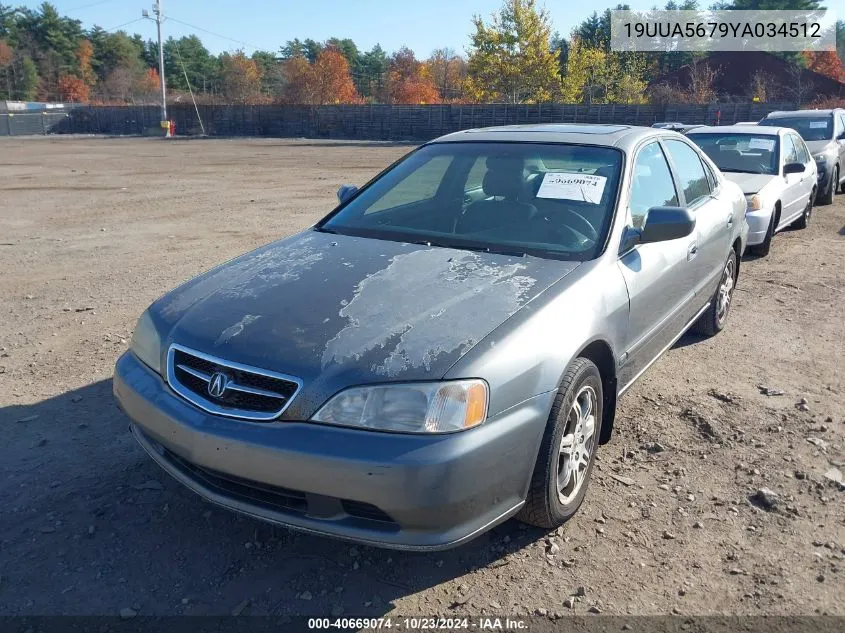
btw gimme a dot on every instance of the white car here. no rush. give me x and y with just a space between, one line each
775 171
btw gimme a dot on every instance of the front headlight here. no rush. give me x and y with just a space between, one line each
754 202
146 342
826 154
440 407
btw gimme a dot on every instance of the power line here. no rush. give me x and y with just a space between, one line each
88 6
231 39
120 26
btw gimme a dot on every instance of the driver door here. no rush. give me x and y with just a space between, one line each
661 276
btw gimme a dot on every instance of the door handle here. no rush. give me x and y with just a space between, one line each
692 251
730 220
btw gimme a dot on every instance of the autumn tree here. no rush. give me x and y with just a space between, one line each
409 80
586 73
73 89
298 84
7 55
330 79
240 78
448 71
511 59
702 84
826 63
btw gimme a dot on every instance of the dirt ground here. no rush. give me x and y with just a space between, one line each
93 229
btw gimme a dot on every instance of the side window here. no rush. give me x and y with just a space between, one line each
420 185
841 124
711 177
800 150
652 184
790 154
690 171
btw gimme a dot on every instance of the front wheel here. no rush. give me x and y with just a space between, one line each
568 449
714 318
761 250
804 221
827 197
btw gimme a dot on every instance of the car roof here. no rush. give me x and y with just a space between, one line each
624 137
758 130
800 113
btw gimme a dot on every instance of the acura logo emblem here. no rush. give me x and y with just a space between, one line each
218 384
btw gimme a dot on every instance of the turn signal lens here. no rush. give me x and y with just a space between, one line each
754 202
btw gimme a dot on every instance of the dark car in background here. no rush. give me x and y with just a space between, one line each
824 133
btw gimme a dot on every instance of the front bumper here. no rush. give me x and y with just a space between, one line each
384 489
758 225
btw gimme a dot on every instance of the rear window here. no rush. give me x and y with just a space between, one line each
810 128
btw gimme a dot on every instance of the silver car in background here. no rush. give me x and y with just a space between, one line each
446 348
824 133
773 168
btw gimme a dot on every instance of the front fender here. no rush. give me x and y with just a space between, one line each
528 354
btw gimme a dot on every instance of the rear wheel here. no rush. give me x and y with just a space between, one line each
568 449
713 320
763 249
804 221
827 196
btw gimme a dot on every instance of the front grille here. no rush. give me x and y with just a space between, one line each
276 498
243 392
244 489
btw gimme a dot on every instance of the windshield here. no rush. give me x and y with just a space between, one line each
743 153
548 200
810 128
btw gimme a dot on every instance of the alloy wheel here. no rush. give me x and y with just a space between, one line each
577 445
726 288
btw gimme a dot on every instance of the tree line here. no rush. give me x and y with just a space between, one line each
513 57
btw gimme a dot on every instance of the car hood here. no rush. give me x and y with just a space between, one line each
816 147
750 183
336 310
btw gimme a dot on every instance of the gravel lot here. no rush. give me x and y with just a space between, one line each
93 229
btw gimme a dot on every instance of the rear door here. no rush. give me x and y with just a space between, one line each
660 276
793 198
809 180
714 218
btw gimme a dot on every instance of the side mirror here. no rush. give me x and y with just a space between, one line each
793 168
666 223
346 192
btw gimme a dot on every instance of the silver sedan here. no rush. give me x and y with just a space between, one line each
446 348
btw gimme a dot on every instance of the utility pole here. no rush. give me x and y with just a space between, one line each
159 19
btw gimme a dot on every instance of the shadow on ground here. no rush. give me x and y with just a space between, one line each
85 507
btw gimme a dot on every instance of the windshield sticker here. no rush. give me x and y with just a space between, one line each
569 186
767 144
818 125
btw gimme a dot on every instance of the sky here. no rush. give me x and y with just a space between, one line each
422 25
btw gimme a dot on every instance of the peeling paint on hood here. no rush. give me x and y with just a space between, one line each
237 279
233 330
466 295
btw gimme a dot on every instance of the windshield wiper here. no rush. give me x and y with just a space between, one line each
746 171
472 247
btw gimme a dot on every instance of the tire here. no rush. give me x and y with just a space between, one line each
761 250
827 197
548 504
804 221
714 319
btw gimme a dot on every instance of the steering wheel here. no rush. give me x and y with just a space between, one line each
583 225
